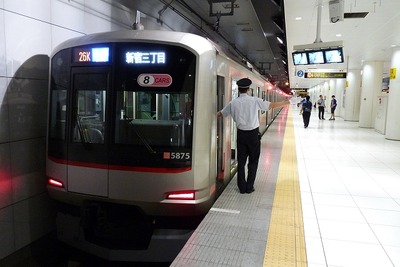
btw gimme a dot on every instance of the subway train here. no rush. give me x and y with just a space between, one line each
135 153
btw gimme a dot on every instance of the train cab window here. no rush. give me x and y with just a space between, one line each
89 108
154 119
58 112
58 106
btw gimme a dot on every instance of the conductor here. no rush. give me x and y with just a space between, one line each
244 111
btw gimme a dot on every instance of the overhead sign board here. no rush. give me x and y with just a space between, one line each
325 75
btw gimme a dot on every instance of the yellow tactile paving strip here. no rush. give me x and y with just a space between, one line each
286 244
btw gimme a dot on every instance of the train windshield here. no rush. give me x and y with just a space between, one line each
154 119
133 109
154 96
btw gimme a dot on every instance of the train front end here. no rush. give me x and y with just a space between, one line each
121 137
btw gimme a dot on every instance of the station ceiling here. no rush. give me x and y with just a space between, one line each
369 31
249 29
245 29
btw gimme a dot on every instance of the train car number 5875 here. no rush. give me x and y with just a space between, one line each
177 155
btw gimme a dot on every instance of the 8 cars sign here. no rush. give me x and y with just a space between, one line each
154 80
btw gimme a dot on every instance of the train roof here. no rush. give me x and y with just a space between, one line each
195 42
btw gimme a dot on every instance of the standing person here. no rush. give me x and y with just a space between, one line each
244 111
306 107
321 107
333 107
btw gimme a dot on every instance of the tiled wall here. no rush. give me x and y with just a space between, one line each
29 30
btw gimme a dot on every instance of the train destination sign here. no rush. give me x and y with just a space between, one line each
92 54
325 75
154 80
140 57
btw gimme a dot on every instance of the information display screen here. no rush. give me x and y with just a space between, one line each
316 57
334 55
145 57
322 56
300 58
91 54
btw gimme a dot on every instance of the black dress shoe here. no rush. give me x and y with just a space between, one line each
250 191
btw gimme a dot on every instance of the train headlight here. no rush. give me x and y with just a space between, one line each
182 195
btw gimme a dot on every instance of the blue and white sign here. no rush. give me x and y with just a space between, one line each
300 73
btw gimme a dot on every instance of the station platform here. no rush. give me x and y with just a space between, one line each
327 195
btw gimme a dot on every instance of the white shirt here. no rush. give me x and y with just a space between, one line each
321 102
244 111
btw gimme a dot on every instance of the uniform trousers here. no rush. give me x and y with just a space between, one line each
248 145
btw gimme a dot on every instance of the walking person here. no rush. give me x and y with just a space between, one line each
244 111
321 107
305 111
333 107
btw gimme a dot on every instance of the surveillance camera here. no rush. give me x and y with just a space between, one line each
335 19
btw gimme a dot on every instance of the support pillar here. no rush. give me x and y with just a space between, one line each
393 111
353 94
340 85
371 88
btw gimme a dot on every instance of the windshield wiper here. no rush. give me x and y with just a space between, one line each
142 139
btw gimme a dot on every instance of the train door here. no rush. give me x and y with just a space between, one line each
220 129
87 144
263 113
233 137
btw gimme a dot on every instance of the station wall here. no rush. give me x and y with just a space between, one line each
29 30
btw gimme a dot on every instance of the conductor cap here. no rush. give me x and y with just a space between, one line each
243 83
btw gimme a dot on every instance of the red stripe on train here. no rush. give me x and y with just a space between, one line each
119 167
